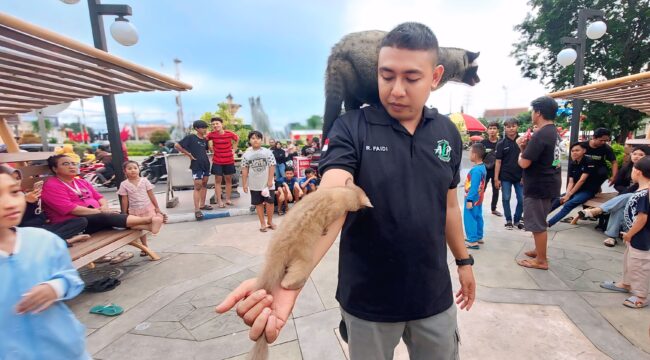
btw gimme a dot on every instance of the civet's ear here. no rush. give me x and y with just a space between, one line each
471 56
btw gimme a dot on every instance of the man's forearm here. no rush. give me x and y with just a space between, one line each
454 227
271 173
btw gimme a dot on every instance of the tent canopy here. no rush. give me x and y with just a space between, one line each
39 68
631 91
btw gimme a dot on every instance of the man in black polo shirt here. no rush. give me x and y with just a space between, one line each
507 173
583 183
394 280
599 151
540 159
490 160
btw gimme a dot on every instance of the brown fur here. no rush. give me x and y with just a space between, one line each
290 255
351 75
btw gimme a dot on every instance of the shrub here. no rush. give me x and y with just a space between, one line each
158 136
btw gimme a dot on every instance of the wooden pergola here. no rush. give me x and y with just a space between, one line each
631 91
39 68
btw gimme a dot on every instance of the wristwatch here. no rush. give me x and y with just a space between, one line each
468 261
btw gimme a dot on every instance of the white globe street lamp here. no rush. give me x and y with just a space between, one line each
596 30
567 56
124 32
70 1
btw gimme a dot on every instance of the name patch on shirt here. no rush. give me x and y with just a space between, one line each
379 148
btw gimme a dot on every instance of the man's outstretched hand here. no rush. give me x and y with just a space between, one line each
264 313
467 293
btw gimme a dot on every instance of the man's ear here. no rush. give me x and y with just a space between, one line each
438 71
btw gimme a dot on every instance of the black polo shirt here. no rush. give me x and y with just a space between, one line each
585 166
600 155
508 152
393 257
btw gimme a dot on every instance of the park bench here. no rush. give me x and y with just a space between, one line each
595 201
33 169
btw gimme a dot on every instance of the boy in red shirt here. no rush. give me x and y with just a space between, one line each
223 160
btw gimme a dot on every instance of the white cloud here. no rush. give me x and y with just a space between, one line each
478 26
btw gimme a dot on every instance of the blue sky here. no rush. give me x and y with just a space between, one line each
278 50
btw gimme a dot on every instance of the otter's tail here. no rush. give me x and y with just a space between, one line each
334 92
260 350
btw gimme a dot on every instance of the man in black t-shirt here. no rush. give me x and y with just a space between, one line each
583 183
599 151
195 146
490 160
540 159
393 279
507 173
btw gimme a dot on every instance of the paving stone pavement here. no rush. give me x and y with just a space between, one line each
556 314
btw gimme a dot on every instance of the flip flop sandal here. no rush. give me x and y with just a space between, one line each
107 310
102 285
481 242
634 302
609 242
567 219
198 215
142 253
121 257
471 245
611 285
230 203
221 206
272 226
206 207
263 230
104 259
530 264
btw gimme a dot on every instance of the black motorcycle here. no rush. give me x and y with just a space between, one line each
154 168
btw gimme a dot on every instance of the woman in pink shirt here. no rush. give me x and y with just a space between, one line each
65 196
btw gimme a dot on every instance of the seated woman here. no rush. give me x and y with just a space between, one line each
67 197
583 183
615 206
70 230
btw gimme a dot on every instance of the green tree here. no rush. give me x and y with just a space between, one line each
315 122
624 50
158 136
36 128
524 120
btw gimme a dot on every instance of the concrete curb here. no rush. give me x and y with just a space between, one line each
207 215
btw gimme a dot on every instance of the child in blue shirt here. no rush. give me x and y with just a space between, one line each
308 183
474 188
36 274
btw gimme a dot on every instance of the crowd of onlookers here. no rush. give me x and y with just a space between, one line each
531 165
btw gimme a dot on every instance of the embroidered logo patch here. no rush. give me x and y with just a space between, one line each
443 150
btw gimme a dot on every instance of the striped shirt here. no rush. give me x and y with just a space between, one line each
222 147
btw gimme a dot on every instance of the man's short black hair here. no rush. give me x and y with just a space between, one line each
478 149
511 121
216 118
411 36
289 168
199 124
546 105
643 165
309 171
581 144
256 134
600 132
493 124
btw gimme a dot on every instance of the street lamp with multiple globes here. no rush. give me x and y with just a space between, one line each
569 55
126 34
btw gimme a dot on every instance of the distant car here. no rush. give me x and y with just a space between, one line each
37 147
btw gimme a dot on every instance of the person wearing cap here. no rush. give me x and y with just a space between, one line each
195 146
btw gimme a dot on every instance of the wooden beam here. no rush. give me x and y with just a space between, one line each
17 89
8 138
39 83
601 85
52 37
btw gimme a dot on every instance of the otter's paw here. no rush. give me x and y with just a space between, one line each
293 281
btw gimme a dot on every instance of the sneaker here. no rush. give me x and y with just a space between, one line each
509 226
471 245
496 212
520 226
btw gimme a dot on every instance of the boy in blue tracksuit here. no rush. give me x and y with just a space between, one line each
474 189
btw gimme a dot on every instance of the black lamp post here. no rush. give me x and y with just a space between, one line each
567 56
125 34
